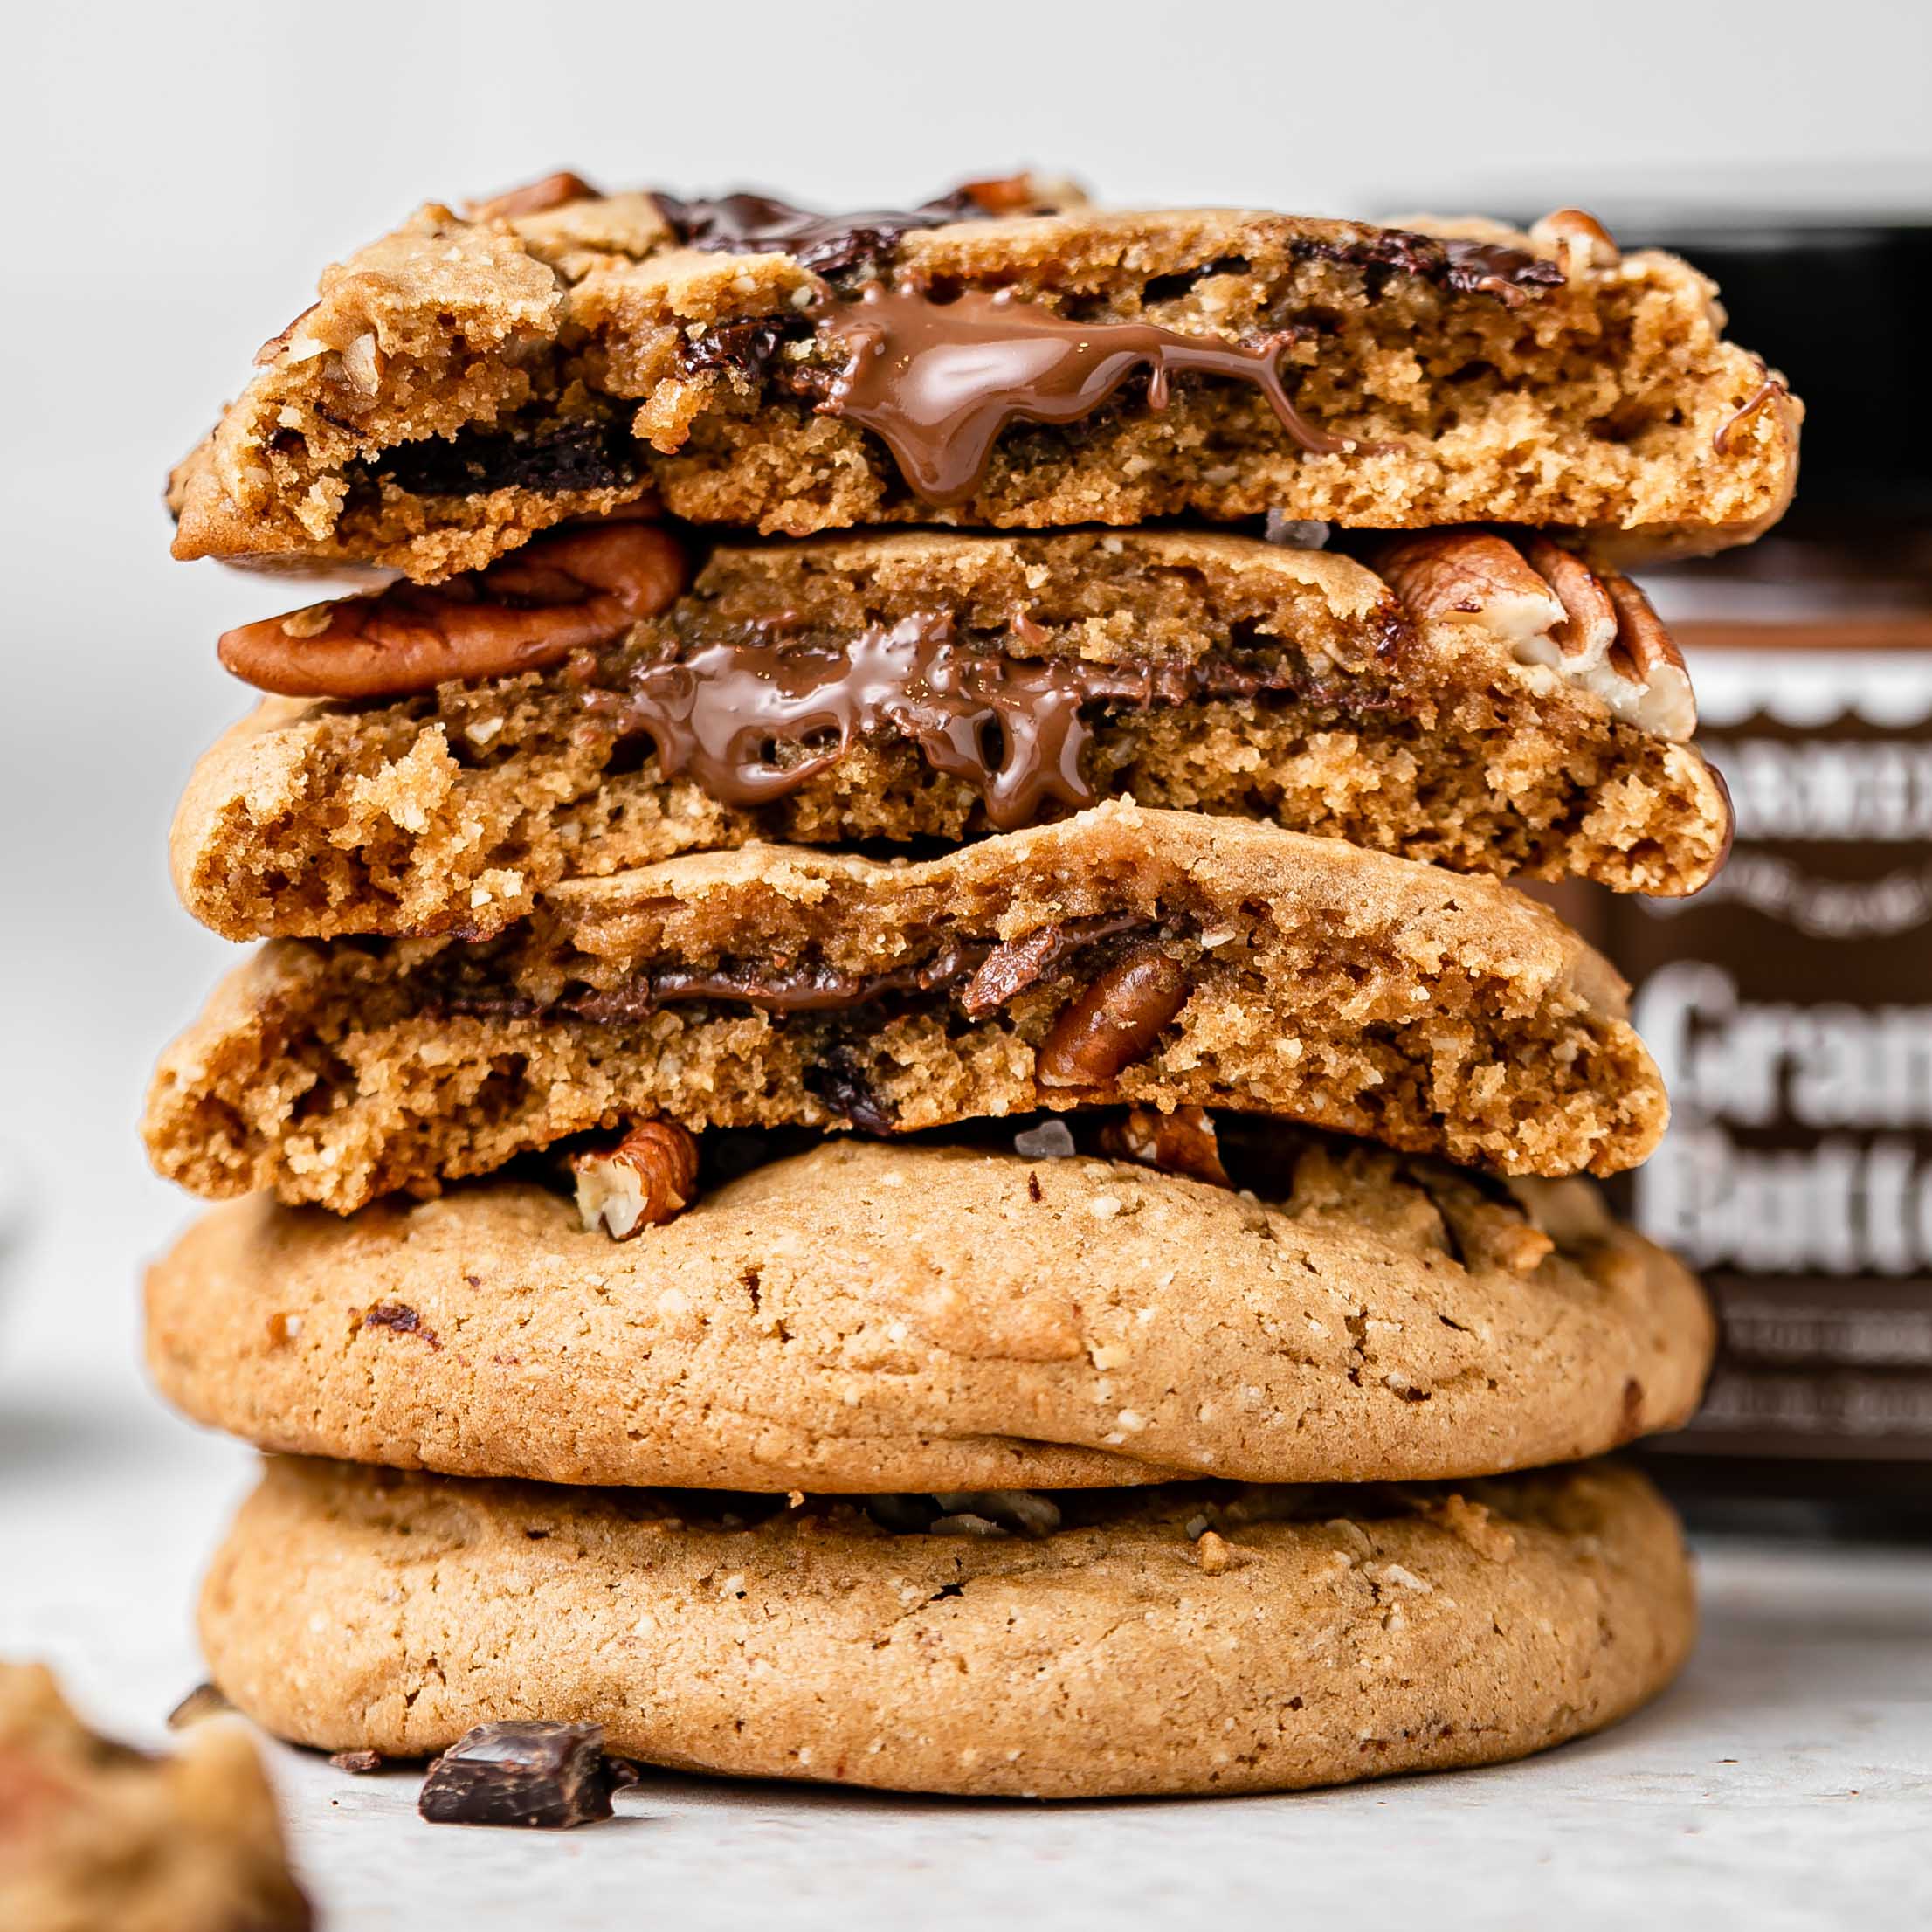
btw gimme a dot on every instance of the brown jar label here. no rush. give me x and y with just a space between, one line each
1789 1008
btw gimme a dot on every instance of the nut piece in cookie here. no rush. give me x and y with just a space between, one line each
651 1175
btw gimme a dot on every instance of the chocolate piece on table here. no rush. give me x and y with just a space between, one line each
544 1775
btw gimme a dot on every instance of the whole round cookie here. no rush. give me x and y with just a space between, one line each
1197 1638
871 1317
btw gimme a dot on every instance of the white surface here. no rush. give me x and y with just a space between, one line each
1786 1782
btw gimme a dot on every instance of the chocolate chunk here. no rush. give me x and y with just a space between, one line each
838 1081
1466 266
565 457
1168 289
746 348
750 223
546 1775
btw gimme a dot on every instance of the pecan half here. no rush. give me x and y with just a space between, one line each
1579 240
568 592
1181 1142
648 1178
1593 628
1590 620
1114 1022
1448 574
534 197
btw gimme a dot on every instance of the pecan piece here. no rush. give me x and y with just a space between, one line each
1664 703
1015 964
1550 608
1114 1022
1580 241
534 197
1590 620
568 592
1448 574
650 1177
1181 1142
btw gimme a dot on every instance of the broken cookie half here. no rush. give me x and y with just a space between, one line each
435 758
1124 955
1005 356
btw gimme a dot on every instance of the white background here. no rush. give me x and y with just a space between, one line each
180 172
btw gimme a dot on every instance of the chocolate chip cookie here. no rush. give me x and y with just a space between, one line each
96 1834
1199 1638
440 756
868 1316
1157 957
997 358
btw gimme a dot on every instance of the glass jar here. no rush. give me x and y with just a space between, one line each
1790 1003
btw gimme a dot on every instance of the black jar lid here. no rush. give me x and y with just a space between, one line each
1841 306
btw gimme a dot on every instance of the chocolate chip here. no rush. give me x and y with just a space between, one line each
833 244
544 1775
398 1318
838 1081
745 348
1464 265
565 457
1169 288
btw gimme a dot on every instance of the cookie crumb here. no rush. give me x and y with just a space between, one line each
1213 1553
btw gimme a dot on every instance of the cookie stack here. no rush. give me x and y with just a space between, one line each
895 1127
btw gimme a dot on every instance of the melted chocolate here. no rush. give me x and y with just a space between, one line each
747 224
1771 387
938 382
1012 729
983 975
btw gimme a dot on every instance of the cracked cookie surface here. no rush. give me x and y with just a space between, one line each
869 1317
1194 1639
